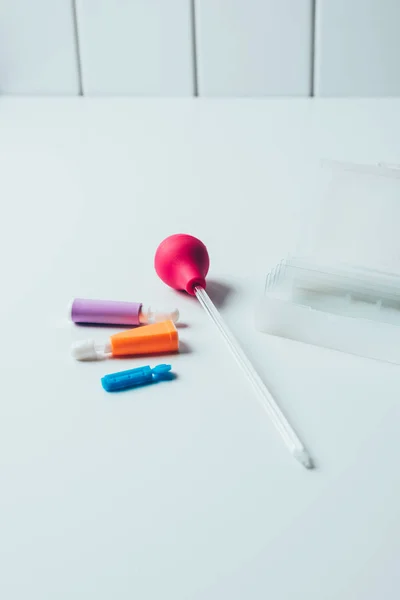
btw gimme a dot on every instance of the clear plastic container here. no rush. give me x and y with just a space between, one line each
343 289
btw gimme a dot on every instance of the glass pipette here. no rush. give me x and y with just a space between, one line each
182 262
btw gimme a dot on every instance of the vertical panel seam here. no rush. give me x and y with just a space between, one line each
313 46
194 47
77 46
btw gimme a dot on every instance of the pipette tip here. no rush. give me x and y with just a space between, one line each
304 458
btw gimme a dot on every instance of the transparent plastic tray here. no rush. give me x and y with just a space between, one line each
343 291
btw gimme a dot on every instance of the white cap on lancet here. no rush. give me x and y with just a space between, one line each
148 316
90 350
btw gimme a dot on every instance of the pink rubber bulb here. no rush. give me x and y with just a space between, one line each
182 262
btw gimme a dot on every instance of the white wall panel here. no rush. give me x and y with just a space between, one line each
357 48
254 47
37 47
136 47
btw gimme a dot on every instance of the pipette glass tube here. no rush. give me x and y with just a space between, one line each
289 436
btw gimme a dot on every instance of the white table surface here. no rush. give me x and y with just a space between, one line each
183 491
